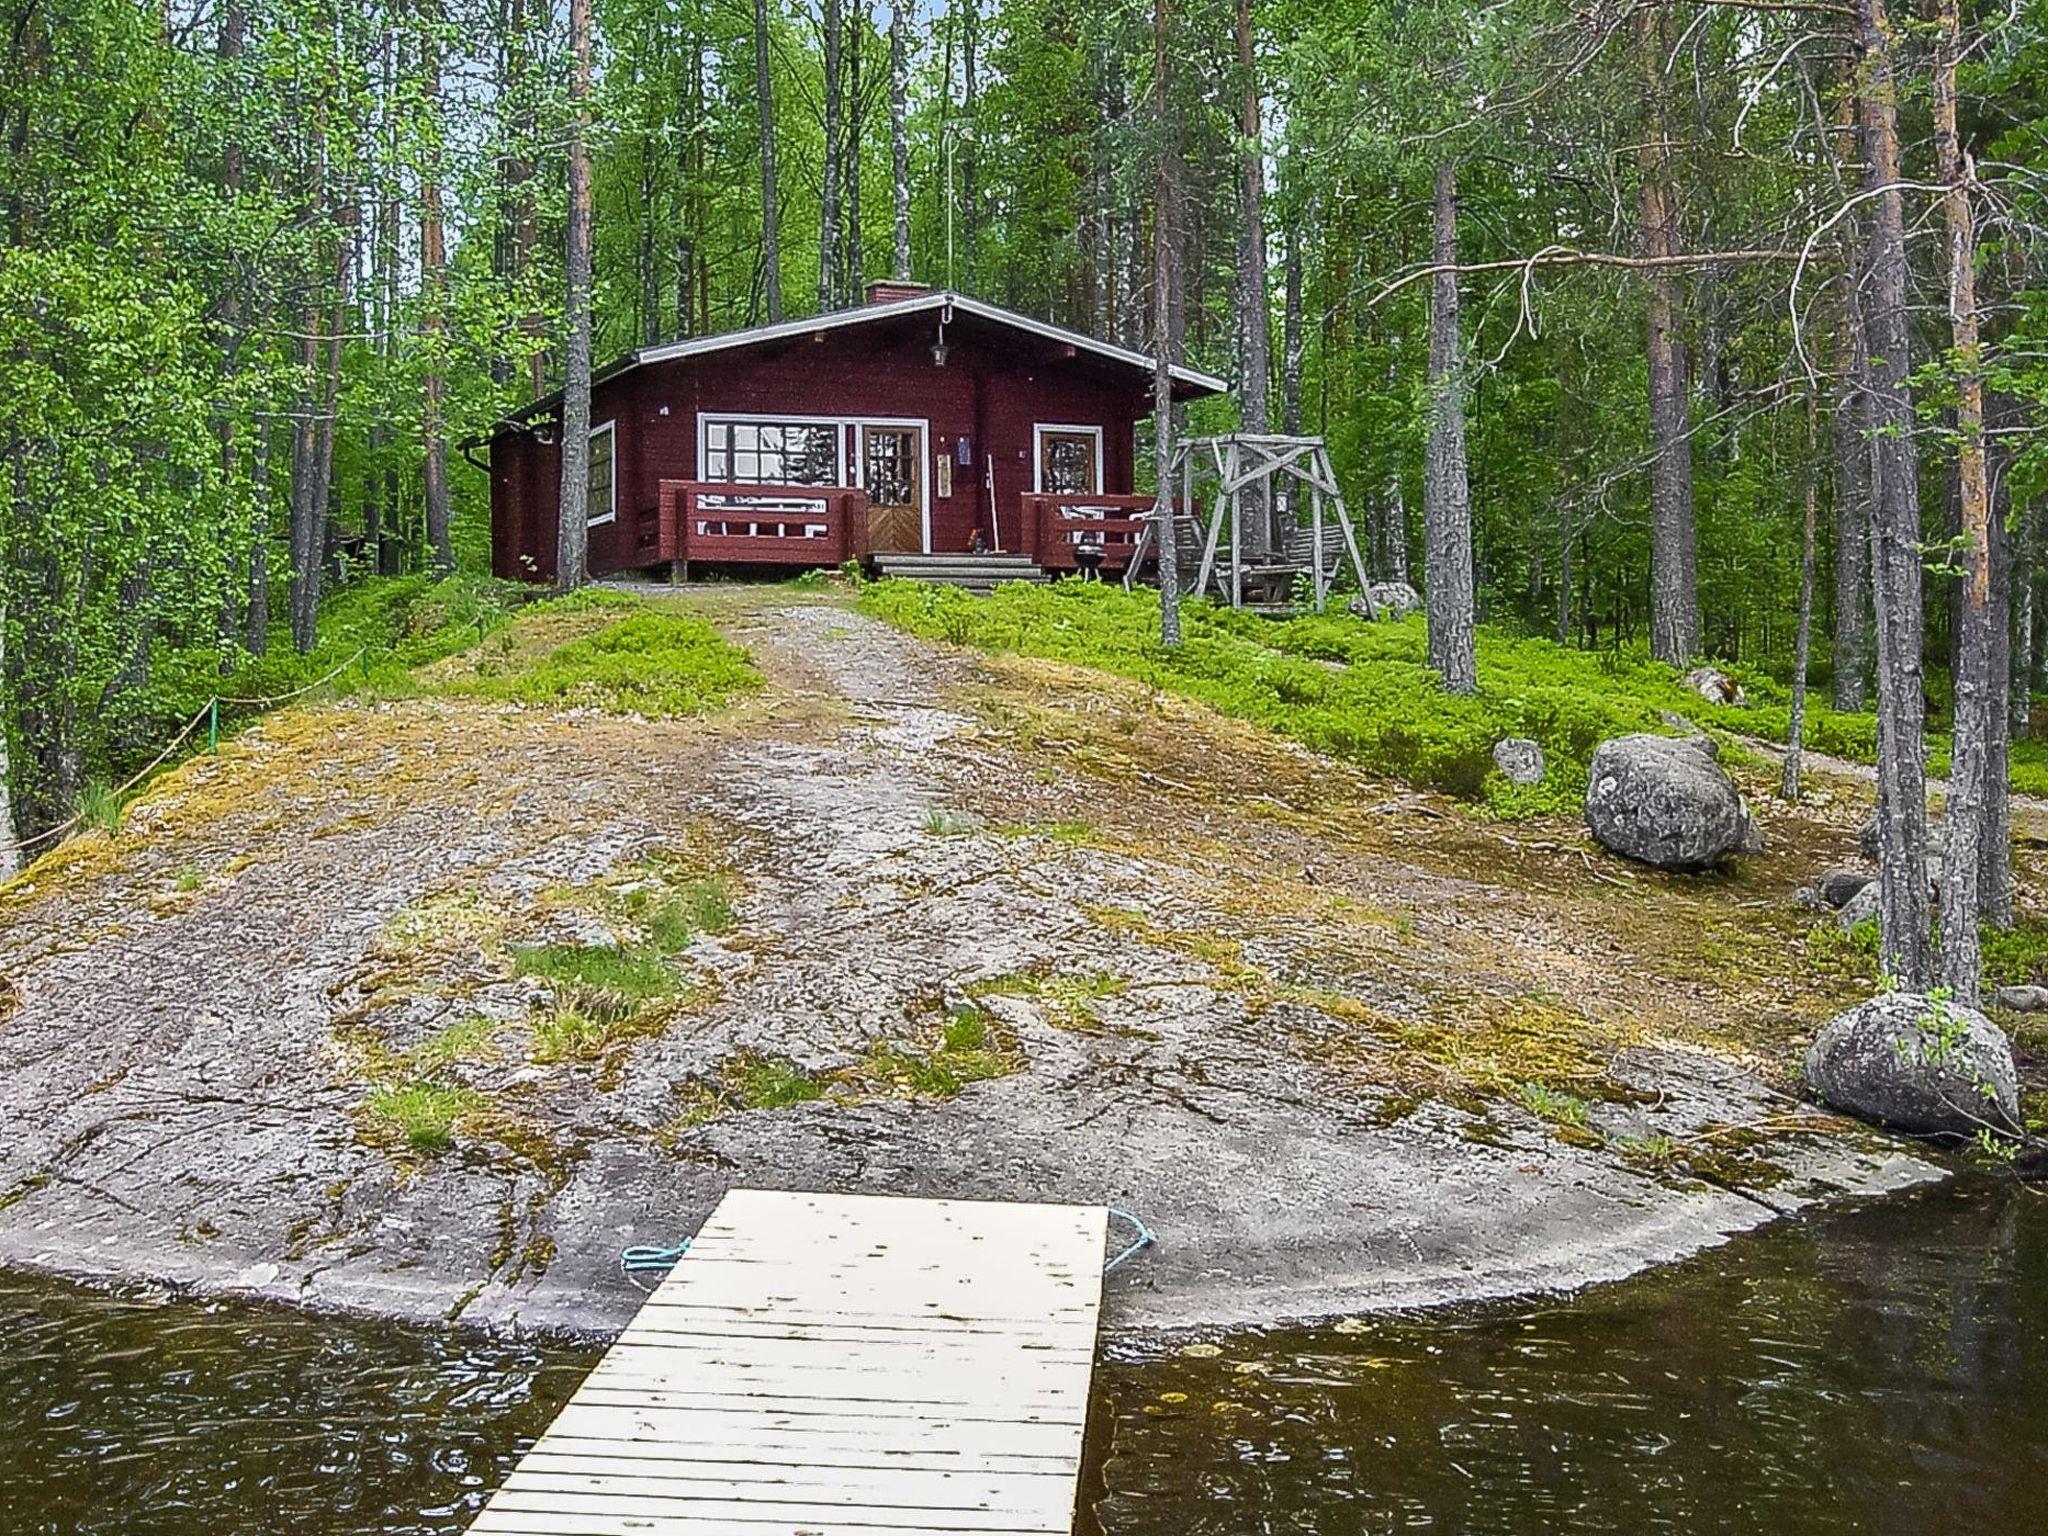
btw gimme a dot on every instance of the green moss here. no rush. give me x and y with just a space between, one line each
969 1049
468 1039
1070 999
424 1114
651 663
614 974
770 1082
1365 692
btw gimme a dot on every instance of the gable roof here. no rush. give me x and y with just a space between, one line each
1194 379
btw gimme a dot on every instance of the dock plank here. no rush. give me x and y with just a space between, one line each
836 1365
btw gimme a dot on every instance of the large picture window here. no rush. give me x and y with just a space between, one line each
772 452
603 474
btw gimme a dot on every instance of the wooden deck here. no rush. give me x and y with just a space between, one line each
835 1365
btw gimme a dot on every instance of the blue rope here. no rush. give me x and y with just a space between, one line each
1145 1239
645 1260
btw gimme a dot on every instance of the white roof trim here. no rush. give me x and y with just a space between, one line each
938 299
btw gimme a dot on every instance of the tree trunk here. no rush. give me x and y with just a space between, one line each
433 296
10 840
1979 689
853 258
256 611
828 200
1795 738
771 212
899 145
572 545
1886 357
1165 273
970 199
1446 496
1291 345
1674 599
1255 355
1996 888
1852 523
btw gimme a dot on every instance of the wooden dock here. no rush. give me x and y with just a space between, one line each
835 1365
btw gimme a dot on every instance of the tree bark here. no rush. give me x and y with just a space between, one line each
433 296
572 545
256 611
1852 523
828 200
1795 738
10 840
1165 275
1979 689
1446 495
1886 336
899 145
1291 344
1255 355
771 212
1674 587
853 257
1996 887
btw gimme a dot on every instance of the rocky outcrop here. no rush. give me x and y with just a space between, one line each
1917 1064
1716 686
2022 999
1386 600
1665 801
1519 759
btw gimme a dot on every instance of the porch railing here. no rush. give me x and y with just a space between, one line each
1055 525
809 525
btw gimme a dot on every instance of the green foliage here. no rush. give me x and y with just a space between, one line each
652 664
602 978
425 1114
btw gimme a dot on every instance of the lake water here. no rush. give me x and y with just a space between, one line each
1883 1369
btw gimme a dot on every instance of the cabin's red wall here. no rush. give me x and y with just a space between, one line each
983 392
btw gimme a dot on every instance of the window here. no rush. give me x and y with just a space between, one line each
603 474
772 452
1069 460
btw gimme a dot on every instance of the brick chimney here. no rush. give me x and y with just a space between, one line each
886 291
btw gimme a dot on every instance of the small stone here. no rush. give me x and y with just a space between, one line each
2025 999
1715 686
1519 759
1666 802
1917 1064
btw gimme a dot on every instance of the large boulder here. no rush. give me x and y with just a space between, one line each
1665 801
1715 686
1918 1064
1387 600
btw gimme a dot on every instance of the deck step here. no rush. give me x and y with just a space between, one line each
978 574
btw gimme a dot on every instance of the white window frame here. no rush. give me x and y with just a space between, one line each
857 425
770 419
611 437
1039 429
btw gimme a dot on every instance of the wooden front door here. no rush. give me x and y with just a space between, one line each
892 473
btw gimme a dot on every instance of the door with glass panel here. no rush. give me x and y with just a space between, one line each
892 473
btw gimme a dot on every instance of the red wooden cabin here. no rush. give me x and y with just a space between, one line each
904 426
